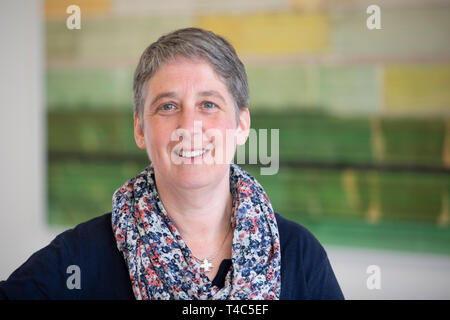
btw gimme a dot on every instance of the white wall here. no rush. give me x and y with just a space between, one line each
402 275
22 133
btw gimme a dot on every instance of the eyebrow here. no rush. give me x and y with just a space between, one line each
160 96
212 93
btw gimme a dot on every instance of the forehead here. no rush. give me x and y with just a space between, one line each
183 73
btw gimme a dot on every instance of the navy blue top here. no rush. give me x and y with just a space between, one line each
306 272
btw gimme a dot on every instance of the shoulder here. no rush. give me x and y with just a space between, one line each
295 237
306 272
88 249
93 238
95 233
91 246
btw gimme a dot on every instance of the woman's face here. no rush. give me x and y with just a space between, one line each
189 125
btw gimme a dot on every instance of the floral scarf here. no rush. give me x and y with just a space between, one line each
161 265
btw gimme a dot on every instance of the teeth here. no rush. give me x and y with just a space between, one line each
191 154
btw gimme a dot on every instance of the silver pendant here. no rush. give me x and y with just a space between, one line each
206 265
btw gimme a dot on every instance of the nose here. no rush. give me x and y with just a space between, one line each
186 120
190 127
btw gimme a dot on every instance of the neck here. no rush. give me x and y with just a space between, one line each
201 215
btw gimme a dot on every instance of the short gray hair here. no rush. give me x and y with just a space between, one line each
192 43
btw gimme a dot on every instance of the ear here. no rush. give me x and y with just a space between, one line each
243 126
138 132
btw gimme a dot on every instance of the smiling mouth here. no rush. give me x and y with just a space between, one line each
192 153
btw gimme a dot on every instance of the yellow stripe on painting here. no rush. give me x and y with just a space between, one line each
57 8
306 4
271 33
417 87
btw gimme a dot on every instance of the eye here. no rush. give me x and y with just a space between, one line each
209 105
167 107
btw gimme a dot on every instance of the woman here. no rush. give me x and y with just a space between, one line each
192 225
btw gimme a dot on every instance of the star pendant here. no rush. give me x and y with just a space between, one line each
206 265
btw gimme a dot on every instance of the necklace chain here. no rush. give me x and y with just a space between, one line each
207 262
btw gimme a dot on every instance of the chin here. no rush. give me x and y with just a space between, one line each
198 176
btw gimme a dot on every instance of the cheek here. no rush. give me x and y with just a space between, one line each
157 136
220 130
223 136
158 131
